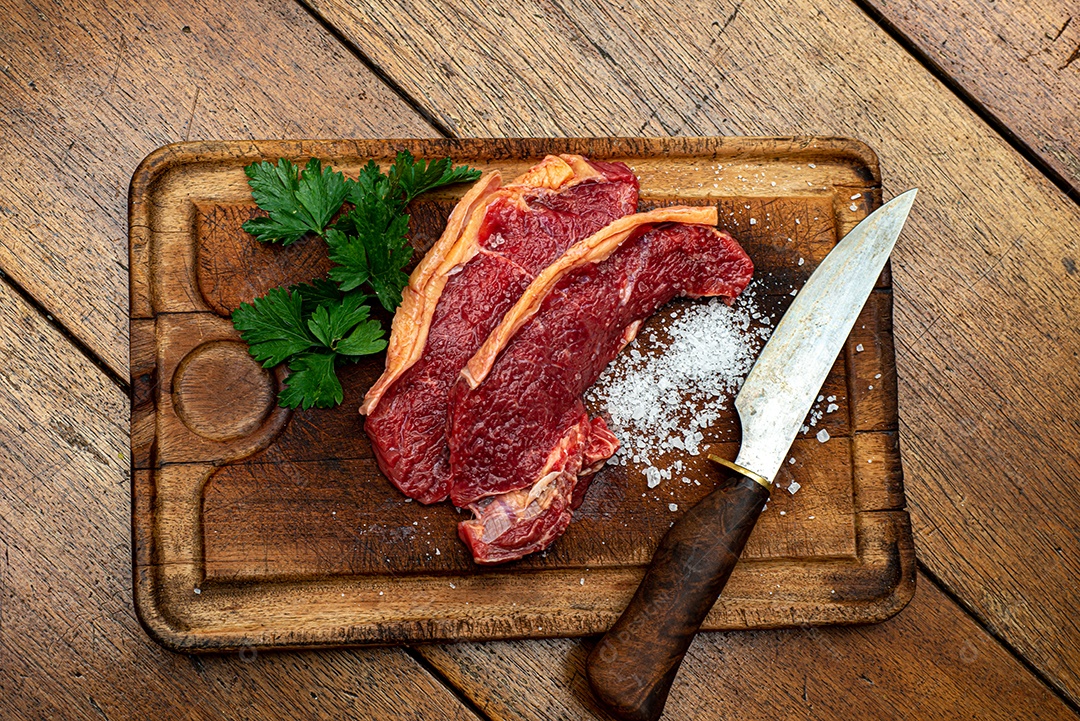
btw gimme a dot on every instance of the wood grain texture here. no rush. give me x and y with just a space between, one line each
70 644
931 662
1019 60
275 516
985 274
86 90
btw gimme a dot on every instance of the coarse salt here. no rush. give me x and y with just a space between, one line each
793 487
673 507
822 435
859 348
710 348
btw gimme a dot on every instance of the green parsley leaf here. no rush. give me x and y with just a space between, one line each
371 181
350 259
375 257
366 339
298 203
330 322
413 177
316 293
273 327
312 382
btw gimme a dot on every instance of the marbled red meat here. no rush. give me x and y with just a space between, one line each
522 448
462 289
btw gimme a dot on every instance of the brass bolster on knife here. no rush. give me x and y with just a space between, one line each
765 482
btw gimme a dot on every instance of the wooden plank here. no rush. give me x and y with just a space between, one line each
1019 60
991 243
930 662
70 644
245 491
88 89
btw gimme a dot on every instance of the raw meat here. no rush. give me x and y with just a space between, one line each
522 448
496 241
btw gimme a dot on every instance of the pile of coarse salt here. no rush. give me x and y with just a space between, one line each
711 349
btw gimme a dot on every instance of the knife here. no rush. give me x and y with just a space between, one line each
632 667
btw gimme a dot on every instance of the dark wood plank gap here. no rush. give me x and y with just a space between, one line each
1013 138
439 676
986 626
379 72
50 318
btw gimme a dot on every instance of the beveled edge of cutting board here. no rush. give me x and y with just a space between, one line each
884 530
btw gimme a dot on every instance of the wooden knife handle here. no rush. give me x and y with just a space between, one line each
633 666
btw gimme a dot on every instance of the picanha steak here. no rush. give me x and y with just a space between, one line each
522 448
496 242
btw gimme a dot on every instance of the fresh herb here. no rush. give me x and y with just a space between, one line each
298 203
315 326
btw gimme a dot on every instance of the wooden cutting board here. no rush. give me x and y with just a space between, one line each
257 526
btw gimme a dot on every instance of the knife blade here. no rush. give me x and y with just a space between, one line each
632 667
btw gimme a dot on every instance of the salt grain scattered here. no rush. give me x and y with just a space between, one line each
859 348
854 207
582 582
711 348
791 460
856 196
452 586
198 591
832 408
673 507
783 513
801 261
794 487
822 435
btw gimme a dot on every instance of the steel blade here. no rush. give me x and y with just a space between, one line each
788 375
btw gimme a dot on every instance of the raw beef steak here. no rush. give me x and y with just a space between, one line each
496 242
522 448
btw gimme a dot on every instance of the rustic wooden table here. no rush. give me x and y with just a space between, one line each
975 103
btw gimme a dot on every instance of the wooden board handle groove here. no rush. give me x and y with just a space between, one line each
632 667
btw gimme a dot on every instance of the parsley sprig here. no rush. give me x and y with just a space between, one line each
315 326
